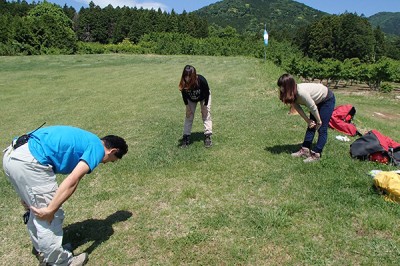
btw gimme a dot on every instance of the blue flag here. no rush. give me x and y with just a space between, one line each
265 37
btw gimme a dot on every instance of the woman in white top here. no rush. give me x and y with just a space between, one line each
320 101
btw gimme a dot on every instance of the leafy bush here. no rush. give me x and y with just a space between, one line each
7 49
50 30
91 48
126 47
178 43
386 87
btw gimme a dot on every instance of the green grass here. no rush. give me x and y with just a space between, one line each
245 201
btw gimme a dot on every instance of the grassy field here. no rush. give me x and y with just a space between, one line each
244 201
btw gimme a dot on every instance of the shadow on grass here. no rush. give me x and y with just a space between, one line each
194 137
277 149
94 230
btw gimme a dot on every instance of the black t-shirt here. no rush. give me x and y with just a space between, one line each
198 93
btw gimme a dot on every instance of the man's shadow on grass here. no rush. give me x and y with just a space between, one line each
194 137
288 148
94 230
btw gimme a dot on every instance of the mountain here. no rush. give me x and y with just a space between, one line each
389 22
279 16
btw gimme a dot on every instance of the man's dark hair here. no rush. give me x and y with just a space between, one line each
116 142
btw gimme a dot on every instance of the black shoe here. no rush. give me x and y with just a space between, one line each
40 257
207 141
185 141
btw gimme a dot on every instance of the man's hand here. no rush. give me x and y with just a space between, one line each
64 191
43 214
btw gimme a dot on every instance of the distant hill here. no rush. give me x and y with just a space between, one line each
389 22
280 16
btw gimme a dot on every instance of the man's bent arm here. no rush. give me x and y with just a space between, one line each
65 190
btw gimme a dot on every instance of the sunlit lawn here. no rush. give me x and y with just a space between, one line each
245 201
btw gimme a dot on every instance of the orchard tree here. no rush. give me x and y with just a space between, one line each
350 70
333 70
383 70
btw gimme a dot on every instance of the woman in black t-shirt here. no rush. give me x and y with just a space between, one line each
194 89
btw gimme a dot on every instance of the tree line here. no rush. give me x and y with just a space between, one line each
321 50
345 36
45 27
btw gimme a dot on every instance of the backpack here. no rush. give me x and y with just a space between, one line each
341 120
375 146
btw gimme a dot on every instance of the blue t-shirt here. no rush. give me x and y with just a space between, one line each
63 147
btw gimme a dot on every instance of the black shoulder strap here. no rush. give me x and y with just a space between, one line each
36 129
23 139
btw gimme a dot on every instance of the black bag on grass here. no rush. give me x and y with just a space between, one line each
374 146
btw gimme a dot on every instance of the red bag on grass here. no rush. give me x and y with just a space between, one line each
341 120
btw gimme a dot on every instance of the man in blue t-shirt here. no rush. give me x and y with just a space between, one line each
31 164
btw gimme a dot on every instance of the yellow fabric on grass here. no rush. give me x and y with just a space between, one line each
388 183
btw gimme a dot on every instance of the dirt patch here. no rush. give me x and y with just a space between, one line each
386 115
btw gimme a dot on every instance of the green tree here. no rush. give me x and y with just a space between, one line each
93 24
333 70
6 29
350 70
374 74
8 26
173 25
340 37
50 30
322 38
69 11
122 25
393 47
380 43
140 25
383 70
355 39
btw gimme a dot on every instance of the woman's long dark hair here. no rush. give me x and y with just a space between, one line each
287 89
188 71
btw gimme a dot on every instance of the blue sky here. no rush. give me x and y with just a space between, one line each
366 7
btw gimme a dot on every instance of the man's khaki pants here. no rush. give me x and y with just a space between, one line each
36 185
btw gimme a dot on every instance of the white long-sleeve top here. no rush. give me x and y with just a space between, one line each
311 94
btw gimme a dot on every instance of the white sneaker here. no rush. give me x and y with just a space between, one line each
314 157
303 152
79 260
